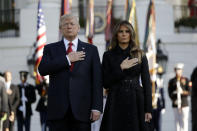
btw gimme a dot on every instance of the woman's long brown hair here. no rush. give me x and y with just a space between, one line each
135 51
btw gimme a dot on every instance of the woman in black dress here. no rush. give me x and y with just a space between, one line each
126 76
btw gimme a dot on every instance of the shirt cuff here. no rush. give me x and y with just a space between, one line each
68 60
96 110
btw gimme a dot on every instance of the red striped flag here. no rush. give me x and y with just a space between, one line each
90 21
40 42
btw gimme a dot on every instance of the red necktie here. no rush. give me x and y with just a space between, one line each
68 51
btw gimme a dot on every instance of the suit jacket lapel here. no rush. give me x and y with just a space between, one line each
12 87
62 47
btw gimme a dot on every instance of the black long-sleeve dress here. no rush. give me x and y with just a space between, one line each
127 100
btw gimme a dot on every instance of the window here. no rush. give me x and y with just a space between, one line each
9 19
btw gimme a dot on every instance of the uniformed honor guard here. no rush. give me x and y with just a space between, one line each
27 97
41 107
178 89
159 100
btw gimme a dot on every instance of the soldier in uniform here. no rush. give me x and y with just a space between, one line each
159 100
178 89
27 97
42 103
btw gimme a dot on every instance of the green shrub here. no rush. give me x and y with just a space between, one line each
187 22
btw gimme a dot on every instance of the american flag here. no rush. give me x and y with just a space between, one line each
40 42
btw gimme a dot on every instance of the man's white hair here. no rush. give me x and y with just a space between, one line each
68 16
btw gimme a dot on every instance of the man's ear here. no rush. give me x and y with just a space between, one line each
79 29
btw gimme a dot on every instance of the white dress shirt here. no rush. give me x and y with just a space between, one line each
24 100
74 46
7 85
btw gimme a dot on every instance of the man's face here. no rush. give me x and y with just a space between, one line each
8 76
23 79
69 28
178 72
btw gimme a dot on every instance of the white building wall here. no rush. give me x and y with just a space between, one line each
20 46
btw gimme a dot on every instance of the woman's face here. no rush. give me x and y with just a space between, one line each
123 35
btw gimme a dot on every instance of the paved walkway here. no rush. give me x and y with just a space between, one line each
167 123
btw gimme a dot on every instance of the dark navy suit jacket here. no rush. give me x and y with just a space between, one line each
80 89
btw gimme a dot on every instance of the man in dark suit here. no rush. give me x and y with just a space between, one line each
75 88
3 101
27 97
194 99
13 100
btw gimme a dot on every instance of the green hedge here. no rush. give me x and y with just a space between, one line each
187 22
